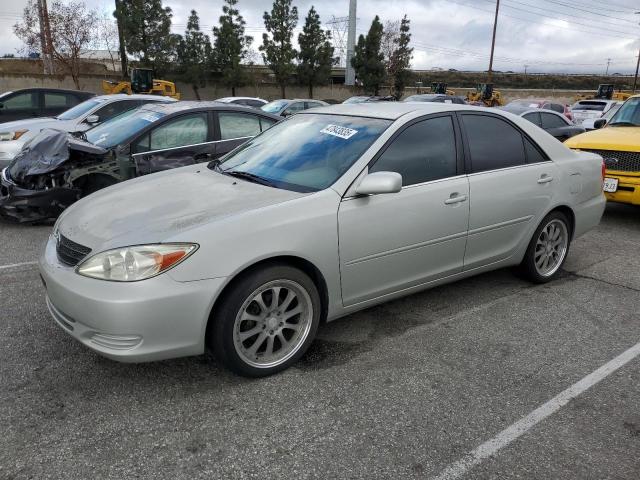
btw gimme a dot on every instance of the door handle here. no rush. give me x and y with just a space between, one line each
455 198
544 178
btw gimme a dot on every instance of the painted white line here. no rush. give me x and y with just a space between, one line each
15 265
511 433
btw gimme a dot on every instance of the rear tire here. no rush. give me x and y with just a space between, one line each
265 321
548 249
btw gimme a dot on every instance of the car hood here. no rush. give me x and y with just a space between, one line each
608 138
154 208
46 152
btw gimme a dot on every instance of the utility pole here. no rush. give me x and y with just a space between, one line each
123 50
635 79
608 63
46 43
525 70
350 74
493 42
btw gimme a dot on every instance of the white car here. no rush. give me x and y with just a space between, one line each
82 117
253 102
590 109
589 123
329 212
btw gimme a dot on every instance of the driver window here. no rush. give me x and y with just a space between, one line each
182 131
296 107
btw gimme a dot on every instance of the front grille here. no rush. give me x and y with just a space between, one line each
623 161
70 252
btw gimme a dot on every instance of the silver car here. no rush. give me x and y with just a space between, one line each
80 118
334 210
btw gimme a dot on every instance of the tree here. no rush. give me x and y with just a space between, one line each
390 38
194 51
107 38
277 50
231 46
316 53
146 26
368 60
72 28
400 60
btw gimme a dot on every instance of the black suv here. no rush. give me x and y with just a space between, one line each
38 102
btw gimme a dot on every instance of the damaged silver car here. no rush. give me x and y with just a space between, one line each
55 168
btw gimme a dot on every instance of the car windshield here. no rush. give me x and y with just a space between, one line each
275 106
628 114
306 153
589 105
609 113
118 129
79 110
421 98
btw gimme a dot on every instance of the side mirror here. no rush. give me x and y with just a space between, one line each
599 123
92 119
380 182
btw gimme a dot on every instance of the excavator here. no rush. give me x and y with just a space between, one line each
142 81
606 91
441 89
485 94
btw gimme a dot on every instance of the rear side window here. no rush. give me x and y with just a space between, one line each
238 125
556 107
295 107
533 117
534 155
423 152
254 103
552 121
21 101
493 143
53 100
266 123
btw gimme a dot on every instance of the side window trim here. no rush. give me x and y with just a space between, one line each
467 154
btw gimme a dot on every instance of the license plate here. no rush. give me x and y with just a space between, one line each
610 185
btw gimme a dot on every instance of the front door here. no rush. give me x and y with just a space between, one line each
396 241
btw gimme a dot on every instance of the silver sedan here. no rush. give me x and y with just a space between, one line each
332 211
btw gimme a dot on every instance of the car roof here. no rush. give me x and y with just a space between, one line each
390 110
196 105
55 90
134 96
229 99
541 110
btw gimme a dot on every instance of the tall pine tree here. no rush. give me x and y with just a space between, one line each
368 60
231 46
277 50
193 53
316 53
146 26
400 60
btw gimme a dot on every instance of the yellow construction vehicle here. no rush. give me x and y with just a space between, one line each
486 95
142 81
606 91
441 88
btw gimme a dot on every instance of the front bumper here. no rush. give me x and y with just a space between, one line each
628 188
153 319
24 205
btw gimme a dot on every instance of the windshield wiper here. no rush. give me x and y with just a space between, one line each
251 177
625 124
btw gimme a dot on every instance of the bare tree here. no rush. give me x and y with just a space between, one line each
107 38
388 45
72 26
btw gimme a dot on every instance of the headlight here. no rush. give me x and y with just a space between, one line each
15 135
130 264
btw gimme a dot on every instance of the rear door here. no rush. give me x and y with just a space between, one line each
20 105
55 103
511 183
179 141
233 128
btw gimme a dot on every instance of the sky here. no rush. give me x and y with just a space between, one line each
546 36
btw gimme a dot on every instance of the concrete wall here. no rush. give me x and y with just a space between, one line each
92 83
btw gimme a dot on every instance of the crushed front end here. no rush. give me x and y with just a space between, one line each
43 178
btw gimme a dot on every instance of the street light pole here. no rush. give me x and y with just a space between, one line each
493 42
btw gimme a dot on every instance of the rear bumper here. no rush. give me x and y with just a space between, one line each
628 189
24 205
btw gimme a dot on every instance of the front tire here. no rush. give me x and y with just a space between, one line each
548 249
265 321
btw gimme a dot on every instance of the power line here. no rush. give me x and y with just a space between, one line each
589 11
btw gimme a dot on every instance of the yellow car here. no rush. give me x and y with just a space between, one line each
619 145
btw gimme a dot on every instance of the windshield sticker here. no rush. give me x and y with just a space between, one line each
338 131
150 117
533 105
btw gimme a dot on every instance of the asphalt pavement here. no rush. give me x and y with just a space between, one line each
408 389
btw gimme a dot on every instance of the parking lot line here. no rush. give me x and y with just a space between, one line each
511 433
15 265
